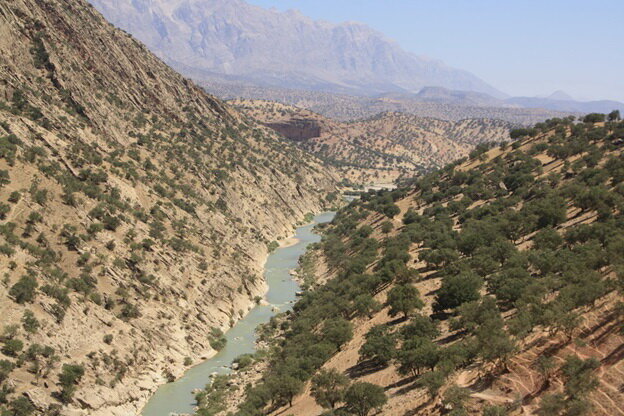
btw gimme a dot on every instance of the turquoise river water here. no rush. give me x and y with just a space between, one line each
177 397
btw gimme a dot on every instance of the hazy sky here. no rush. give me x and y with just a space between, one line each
522 47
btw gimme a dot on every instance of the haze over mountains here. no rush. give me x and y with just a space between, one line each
233 42
236 40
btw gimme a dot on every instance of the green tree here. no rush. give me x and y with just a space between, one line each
420 326
386 227
337 331
403 299
594 118
366 305
417 353
361 398
432 381
284 388
456 290
614 115
12 347
579 375
5 179
328 387
379 345
454 399
21 406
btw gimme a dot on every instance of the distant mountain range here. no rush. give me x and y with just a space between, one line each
558 101
231 41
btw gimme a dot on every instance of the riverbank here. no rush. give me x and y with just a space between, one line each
177 397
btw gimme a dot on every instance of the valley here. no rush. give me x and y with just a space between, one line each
310 219
380 149
493 286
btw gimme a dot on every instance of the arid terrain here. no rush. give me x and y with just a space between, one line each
136 212
379 149
515 256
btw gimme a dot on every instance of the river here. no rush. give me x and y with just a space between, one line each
177 397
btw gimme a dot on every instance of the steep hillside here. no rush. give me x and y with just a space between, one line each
135 213
380 149
494 286
232 39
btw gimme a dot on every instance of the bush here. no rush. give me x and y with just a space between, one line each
216 339
24 290
244 361
29 322
70 375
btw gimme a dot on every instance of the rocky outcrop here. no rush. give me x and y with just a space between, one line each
297 129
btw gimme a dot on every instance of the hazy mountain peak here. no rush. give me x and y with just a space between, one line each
235 40
560 95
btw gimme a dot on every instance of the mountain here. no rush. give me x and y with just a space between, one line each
136 213
561 96
493 286
233 40
562 103
379 149
346 107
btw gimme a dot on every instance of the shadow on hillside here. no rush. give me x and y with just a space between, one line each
365 368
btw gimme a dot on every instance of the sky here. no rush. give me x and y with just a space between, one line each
521 47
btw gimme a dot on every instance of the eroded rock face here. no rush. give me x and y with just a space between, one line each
141 207
297 129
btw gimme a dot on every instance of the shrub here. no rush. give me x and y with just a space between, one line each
24 290
217 339
70 375
12 347
30 322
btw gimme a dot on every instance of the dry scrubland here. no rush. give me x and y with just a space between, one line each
379 149
493 286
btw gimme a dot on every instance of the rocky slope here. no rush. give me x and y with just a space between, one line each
494 286
379 149
231 39
135 213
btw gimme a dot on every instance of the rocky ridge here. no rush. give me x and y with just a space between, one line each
135 212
